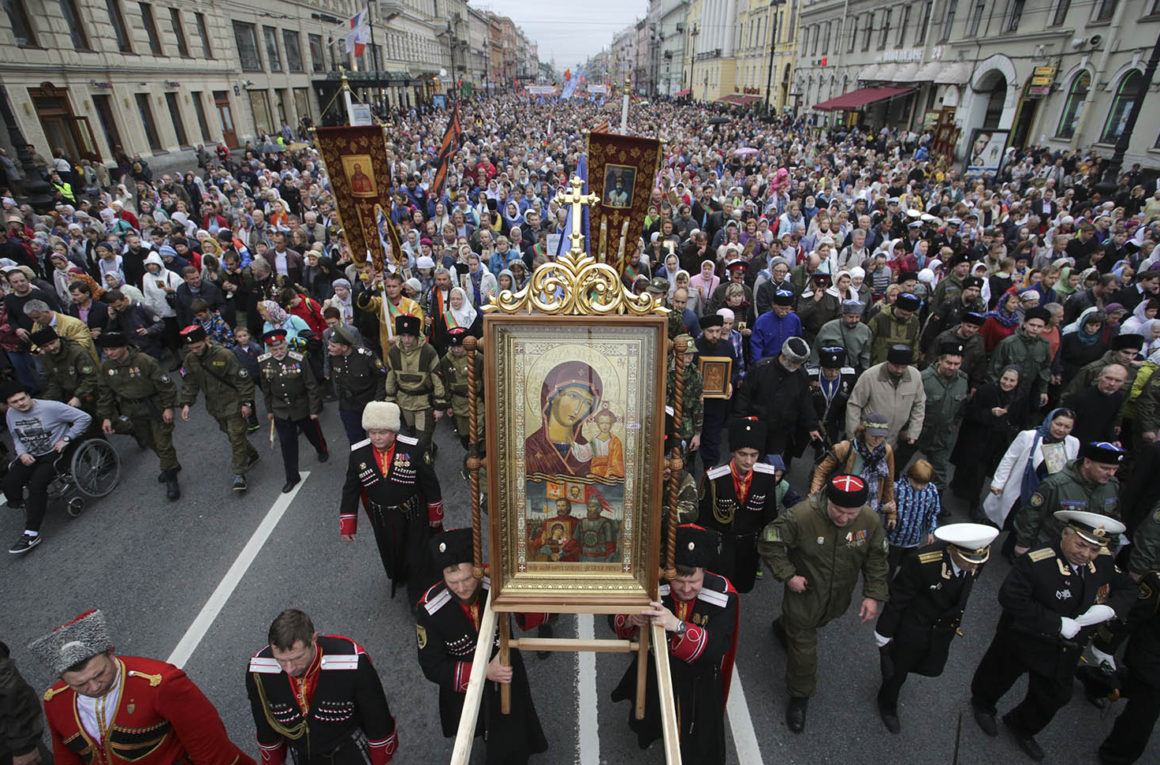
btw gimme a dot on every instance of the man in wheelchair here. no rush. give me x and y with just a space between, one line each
41 429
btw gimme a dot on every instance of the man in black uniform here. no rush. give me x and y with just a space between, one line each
358 376
1139 681
830 385
738 500
1052 599
319 697
701 611
395 479
927 600
448 629
229 395
293 402
710 345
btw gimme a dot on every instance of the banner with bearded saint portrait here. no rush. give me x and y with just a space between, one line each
358 166
622 170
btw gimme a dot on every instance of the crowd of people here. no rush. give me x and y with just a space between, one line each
936 345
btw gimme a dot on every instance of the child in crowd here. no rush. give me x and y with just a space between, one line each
918 508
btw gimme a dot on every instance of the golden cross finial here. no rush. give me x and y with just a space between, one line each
578 200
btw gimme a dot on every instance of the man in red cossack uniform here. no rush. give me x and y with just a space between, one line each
318 696
394 476
700 610
110 709
448 629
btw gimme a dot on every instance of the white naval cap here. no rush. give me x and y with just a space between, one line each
972 540
1095 528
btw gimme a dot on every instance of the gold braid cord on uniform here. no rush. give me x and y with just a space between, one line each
295 733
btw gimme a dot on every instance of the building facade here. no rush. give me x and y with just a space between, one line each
1059 74
97 76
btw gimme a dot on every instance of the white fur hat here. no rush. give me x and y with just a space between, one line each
381 415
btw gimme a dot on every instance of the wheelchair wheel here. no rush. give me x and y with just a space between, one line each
74 507
96 468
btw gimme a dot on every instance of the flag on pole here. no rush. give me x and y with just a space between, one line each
565 244
447 150
359 34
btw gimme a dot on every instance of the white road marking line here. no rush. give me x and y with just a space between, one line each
588 740
209 612
740 723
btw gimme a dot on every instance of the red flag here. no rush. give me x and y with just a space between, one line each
447 150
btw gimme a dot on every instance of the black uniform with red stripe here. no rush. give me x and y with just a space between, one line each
701 664
336 714
448 632
738 508
395 487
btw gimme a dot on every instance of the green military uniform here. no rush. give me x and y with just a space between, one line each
72 374
803 541
946 398
1145 552
676 323
1144 407
888 330
974 354
1033 357
228 387
692 407
414 383
454 371
292 395
948 286
1086 377
132 395
1034 523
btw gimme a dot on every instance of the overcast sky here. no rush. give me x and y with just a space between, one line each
569 33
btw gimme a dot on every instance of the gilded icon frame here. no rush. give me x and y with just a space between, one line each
594 379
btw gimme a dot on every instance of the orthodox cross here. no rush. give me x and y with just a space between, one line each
578 201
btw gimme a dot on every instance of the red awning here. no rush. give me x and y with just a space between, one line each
856 99
728 99
742 100
682 93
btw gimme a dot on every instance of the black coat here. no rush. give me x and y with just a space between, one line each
348 698
1040 589
447 640
736 524
781 399
701 665
408 495
926 605
1141 628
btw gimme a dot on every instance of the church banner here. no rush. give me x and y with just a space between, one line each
360 180
622 170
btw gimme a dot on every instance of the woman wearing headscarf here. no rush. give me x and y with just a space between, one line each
1147 309
1002 321
704 284
461 313
867 455
989 423
1031 457
274 317
1082 342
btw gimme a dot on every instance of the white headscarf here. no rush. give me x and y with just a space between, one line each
465 316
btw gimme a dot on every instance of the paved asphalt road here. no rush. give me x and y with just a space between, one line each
152 565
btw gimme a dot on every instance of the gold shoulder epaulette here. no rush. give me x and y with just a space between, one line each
154 680
1042 554
934 556
51 692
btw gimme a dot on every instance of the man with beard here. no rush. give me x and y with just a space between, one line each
319 698
413 379
449 615
396 482
229 395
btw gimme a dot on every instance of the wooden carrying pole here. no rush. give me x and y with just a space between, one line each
668 710
475 685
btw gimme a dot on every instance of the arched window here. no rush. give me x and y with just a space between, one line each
1073 107
1126 94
